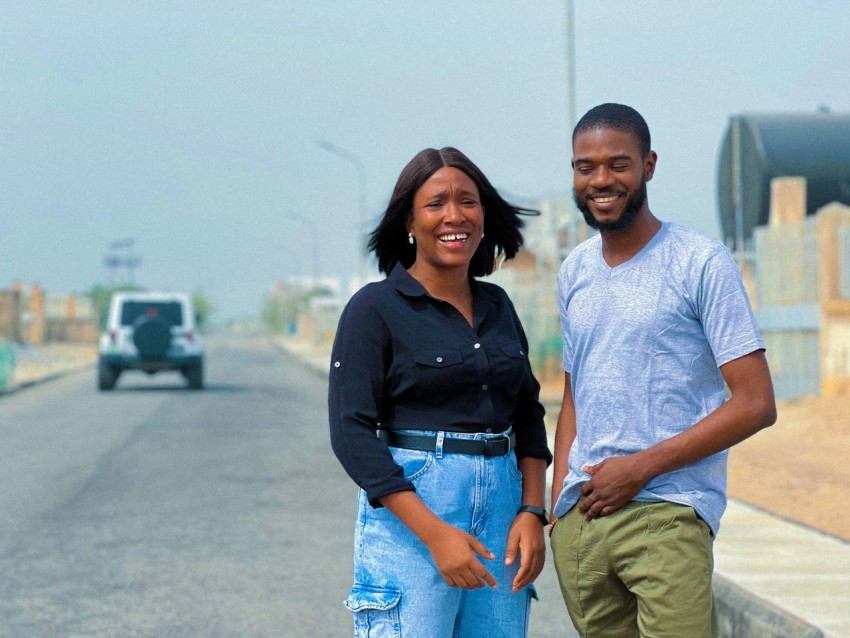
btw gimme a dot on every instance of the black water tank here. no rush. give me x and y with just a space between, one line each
811 145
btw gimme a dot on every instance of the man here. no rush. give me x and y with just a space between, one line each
656 323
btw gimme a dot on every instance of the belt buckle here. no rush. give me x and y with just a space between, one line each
497 446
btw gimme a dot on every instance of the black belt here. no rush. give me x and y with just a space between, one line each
428 443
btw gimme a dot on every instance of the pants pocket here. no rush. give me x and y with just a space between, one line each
375 611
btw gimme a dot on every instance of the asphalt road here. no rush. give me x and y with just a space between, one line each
157 511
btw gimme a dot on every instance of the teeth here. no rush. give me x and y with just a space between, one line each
603 200
453 237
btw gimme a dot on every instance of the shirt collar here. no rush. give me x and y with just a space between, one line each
407 285
404 282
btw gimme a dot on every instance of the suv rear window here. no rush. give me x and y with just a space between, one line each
170 311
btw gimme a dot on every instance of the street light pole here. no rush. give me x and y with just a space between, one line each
314 244
330 147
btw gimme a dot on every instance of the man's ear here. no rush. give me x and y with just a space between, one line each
649 163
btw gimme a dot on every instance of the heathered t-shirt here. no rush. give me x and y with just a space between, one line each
643 343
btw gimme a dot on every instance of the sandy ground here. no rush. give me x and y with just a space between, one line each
798 469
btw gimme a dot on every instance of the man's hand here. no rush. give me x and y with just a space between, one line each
613 483
526 536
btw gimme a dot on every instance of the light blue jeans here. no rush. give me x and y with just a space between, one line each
398 592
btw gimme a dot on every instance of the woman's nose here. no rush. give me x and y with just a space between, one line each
453 213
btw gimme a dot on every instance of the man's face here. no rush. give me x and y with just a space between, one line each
609 177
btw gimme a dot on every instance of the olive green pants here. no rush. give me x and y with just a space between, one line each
644 570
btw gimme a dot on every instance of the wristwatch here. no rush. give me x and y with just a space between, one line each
539 512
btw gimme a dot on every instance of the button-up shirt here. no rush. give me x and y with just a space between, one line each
404 360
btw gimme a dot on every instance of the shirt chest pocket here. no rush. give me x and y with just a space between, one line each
510 362
437 374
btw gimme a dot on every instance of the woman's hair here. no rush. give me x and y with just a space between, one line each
502 224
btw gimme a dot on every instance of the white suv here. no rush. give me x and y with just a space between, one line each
150 331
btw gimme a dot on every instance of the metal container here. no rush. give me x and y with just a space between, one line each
758 147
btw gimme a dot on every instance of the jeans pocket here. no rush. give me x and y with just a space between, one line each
375 611
513 467
414 462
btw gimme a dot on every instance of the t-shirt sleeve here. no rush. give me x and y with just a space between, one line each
359 361
563 289
725 310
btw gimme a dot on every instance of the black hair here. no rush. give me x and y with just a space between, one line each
501 220
618 117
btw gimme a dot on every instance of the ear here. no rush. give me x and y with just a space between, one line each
649 163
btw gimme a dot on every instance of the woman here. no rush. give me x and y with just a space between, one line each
449 532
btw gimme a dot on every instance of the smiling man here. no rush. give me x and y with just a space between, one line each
656 324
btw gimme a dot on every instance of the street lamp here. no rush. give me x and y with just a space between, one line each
314 243
330 147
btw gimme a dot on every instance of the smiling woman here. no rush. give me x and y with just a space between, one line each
435 364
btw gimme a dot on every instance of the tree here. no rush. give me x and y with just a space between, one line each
203 309
101 295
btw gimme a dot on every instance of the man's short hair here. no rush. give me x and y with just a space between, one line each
618 117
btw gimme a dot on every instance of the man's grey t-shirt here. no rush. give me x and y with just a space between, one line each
643 343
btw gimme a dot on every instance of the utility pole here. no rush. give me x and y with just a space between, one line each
330 147
115 260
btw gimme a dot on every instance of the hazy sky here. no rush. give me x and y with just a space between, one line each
191 126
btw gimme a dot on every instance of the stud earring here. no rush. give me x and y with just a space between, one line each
410 238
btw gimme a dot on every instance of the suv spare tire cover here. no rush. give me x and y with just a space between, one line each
152 336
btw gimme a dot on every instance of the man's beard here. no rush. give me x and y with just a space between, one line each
628 215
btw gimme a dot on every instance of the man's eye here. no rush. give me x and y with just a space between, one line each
619 167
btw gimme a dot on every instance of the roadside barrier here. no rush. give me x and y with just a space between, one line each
7 363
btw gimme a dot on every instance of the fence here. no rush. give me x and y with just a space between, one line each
803 302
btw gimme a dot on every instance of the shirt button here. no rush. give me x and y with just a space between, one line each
484 387
522 353
439 359
336 364
476 346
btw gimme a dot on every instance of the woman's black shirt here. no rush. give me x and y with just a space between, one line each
403 360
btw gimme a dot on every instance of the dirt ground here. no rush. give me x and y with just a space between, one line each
798 469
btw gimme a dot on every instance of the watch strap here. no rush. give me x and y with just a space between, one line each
539 512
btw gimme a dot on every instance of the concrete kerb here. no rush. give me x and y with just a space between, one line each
741 614
52 363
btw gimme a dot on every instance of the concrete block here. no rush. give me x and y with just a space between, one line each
742 614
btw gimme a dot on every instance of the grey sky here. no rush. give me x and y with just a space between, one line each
190 126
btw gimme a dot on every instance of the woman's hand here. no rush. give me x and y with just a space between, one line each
453 550
454 553
526 536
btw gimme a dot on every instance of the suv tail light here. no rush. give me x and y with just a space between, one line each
190 335
113 336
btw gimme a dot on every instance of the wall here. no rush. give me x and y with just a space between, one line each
37 317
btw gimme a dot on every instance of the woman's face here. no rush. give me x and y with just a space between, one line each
447 220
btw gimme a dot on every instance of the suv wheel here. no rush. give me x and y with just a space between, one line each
195 377
107 376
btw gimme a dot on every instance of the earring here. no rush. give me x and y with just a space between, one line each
410 238
482 234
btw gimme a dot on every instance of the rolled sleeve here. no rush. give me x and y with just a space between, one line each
356 386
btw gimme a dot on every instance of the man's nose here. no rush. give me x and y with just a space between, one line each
601 177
